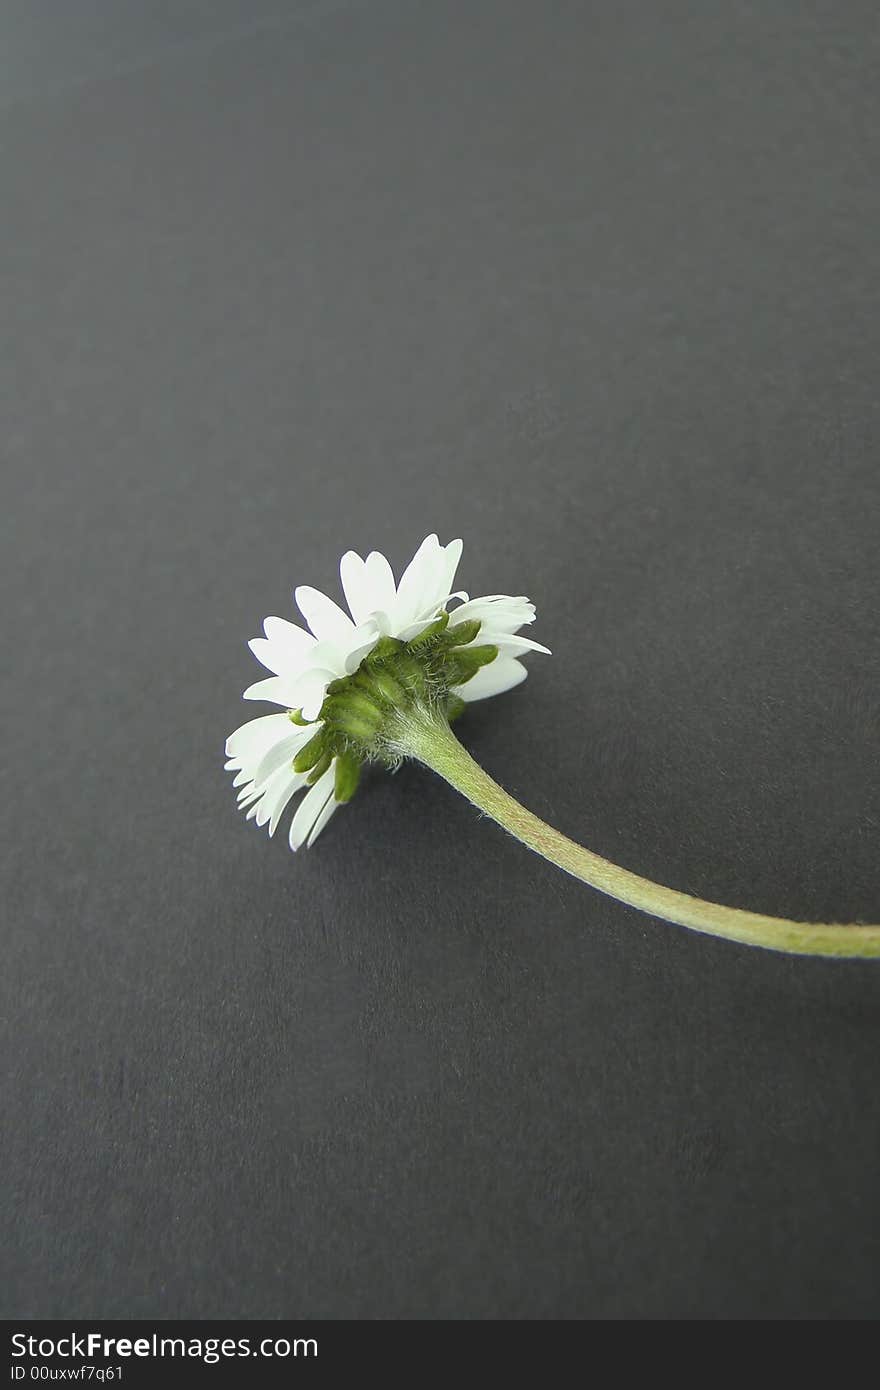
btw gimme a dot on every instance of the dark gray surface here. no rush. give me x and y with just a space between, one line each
595 287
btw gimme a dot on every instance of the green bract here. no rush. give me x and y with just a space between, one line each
360 718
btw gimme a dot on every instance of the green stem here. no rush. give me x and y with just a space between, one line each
430 741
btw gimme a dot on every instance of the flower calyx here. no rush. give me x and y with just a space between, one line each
360 718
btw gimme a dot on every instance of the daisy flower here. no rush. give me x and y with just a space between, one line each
384 682
344 679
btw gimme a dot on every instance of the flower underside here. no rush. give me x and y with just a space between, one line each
349 684
361 715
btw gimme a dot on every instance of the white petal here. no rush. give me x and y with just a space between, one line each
289 634
310 808
425 618
277 658
501 674
257 811
500 610
507 642
379 577
276 689
310 691
285 648
286 789
420 582
458 593
406 634
368 585
365 638
354 585
331 805
324 617
383 622
284 751
276 795
451 557
251 740
305 691
330 656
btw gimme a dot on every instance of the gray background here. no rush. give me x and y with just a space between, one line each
594 286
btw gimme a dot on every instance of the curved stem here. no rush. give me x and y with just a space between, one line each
429 739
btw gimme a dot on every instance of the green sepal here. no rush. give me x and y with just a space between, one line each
336 687
428 634
312 753
382 683
348 774
296 717
455 707
354 713
464 664
461 633
385 647
410 673
320 768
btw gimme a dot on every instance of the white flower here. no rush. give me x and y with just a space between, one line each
304 663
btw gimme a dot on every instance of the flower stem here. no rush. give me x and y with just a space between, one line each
428 738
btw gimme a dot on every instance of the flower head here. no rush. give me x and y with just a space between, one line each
346 682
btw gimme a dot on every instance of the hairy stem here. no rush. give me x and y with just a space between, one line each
428 738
